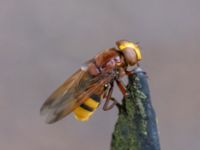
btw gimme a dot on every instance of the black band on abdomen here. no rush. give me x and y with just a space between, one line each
86 107
95 97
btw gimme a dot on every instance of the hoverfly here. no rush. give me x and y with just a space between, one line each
84 90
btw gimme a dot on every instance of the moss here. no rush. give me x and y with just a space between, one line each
136 127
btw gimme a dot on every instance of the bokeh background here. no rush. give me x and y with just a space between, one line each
42 42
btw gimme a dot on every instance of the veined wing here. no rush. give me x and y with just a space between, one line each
72 93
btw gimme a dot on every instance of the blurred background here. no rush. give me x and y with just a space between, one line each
42 42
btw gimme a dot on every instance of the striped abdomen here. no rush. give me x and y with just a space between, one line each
86 109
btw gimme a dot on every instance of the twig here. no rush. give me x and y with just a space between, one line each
136 127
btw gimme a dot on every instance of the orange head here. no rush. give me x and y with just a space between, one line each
130 50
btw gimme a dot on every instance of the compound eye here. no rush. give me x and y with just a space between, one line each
130 56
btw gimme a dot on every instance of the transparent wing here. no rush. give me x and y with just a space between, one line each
65 90
72 93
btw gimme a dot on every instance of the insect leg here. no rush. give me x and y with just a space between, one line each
106 86
106 105
130 73
121 86
117 103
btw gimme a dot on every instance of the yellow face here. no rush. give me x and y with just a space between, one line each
130 50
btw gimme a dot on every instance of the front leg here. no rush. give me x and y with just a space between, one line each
121 86
130 73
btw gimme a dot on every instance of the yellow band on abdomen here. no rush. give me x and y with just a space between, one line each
85 110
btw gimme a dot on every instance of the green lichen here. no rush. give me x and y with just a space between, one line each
133 127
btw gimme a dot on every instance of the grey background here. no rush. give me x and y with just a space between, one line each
42 42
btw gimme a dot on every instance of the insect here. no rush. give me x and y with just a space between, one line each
83 92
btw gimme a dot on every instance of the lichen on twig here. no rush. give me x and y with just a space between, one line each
136 127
